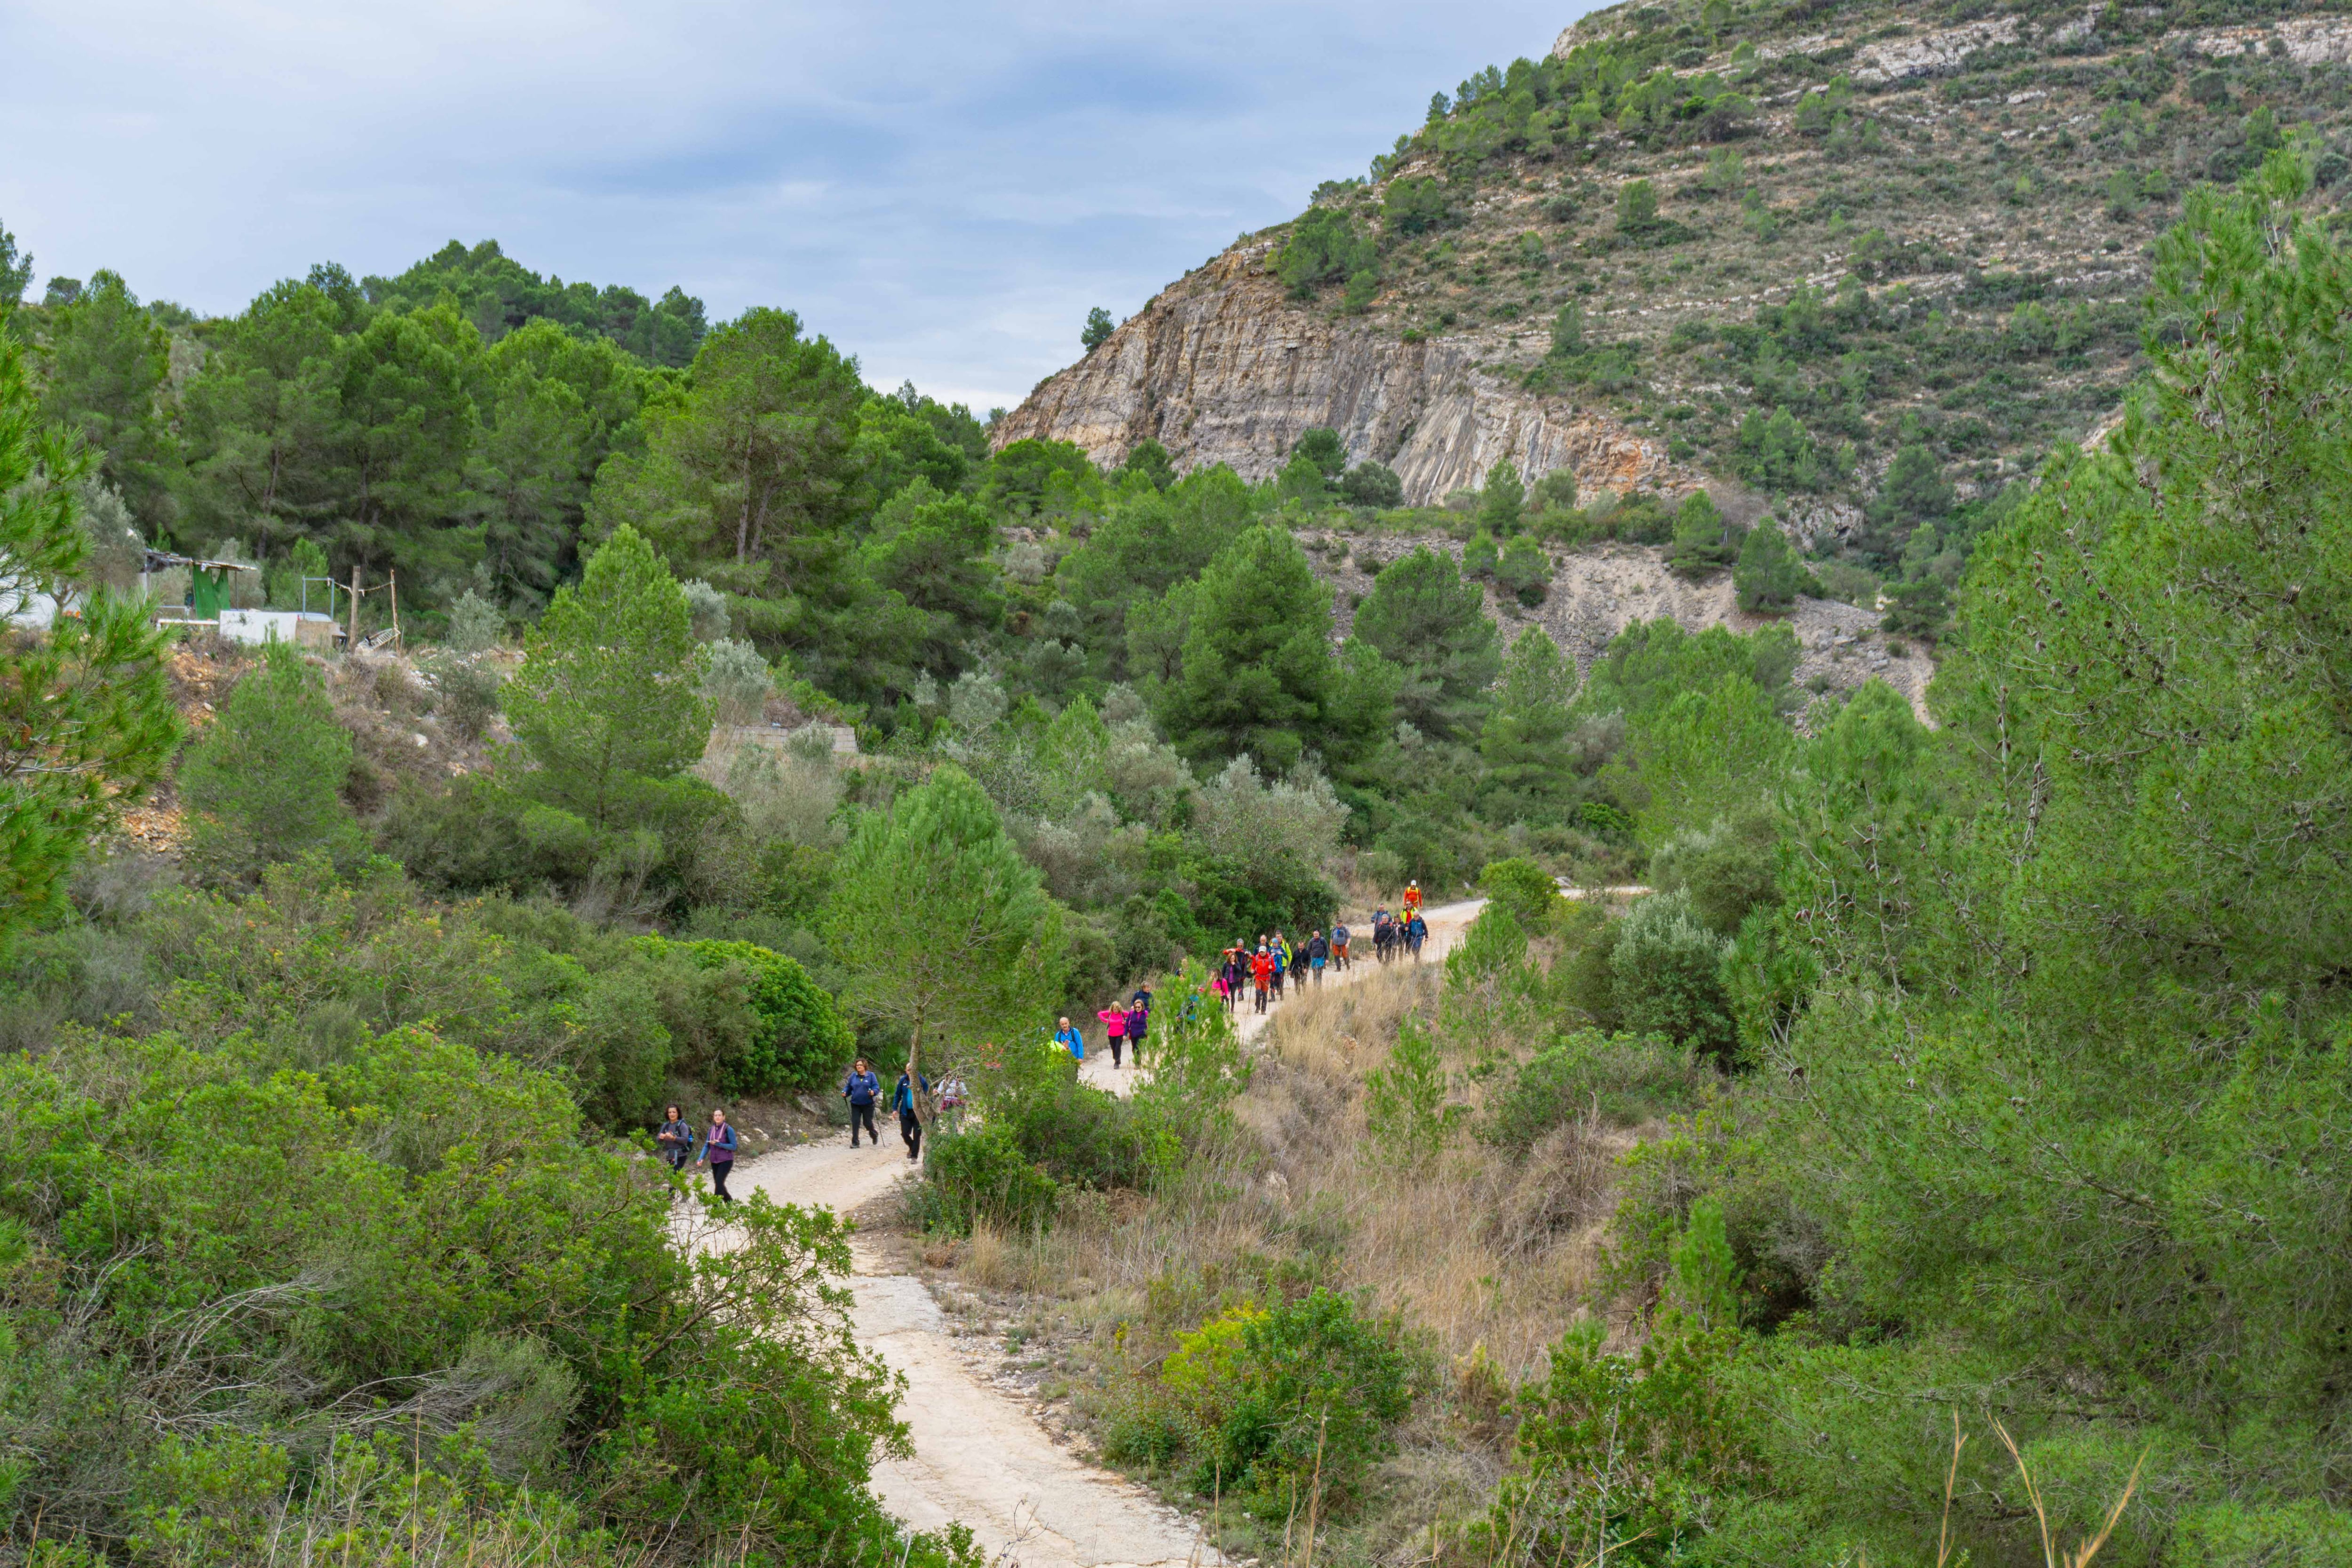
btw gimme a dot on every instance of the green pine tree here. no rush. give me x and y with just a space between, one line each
1503 500
264 782
1530 773
609 695
1428 623
1768 575
945 930
1256 671
85 715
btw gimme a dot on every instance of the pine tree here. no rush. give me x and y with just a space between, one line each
1530 773
1256 664
610 690
85 717
1704 541
1503 500
945 930
265 780
1767 576
1432 624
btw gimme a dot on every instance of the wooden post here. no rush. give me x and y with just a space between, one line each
352 643
394 590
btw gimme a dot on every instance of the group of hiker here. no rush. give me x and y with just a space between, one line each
1262 970
1124 1027
1266 969
1405 930
680 1147
863 1089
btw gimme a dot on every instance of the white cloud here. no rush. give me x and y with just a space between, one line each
941 189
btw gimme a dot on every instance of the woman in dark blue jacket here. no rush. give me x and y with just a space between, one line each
862 1091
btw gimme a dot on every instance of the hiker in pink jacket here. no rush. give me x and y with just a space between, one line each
1113 1022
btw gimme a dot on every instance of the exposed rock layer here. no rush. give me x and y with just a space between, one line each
1222 367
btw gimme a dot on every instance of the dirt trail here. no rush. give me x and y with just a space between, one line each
979 1457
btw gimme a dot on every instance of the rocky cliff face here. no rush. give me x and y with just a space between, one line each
1222 367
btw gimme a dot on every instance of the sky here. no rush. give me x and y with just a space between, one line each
942 190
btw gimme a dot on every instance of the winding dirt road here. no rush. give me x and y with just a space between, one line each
979 1457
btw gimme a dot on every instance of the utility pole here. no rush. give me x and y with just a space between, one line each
353 644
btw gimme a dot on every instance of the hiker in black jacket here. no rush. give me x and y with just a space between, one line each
910 1120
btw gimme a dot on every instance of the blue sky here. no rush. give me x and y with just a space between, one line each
943 190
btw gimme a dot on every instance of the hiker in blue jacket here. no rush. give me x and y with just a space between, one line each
910 1122
862 1091
1070 1040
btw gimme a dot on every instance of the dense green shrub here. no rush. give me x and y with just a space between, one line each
413 1235
982 1174
1526 889
1232 898
1373 485
1666 969
1326 245
1276 1396
799 1038
1524 571
1626 1080
1496 944
1405 1113
1415 206
1624 1457
1725 869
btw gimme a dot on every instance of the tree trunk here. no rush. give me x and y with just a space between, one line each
922 1097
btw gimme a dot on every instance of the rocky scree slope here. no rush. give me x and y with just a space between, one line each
1795 240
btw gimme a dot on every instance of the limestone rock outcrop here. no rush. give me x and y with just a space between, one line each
1222 367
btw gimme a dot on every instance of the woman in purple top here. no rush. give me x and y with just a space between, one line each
719 1153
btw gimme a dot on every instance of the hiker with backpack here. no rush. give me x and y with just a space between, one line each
1261 974
1340 936
674 1139
1070 1040
1138 1017
1416 931
910 1120
1319 953
862 1089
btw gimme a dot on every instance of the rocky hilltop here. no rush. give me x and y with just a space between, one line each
1223 368
1768 248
